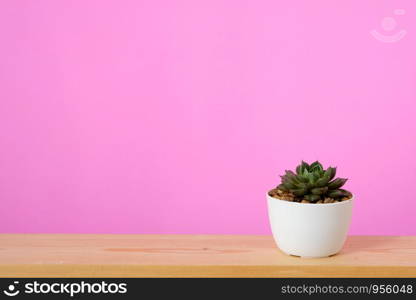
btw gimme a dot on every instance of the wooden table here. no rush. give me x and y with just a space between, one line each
67 255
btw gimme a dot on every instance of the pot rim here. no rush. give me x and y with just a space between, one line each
315 204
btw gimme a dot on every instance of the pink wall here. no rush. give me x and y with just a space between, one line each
178 116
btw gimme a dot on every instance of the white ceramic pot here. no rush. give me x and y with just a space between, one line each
308 229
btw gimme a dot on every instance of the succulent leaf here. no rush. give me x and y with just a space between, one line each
312 198
319 190
323 181
337 183
346 193
290 185
283 188
303 179
315 166
336 194
305 165
290 173
303 185
331 172
299 169
299 192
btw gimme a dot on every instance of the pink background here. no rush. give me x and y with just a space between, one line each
178 116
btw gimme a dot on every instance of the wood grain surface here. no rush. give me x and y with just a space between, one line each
69 255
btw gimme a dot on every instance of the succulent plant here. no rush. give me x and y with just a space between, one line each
313 183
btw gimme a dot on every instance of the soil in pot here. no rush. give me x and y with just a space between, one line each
287 196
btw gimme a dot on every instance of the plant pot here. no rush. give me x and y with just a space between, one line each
309 229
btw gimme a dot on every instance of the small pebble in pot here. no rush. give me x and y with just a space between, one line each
328 200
